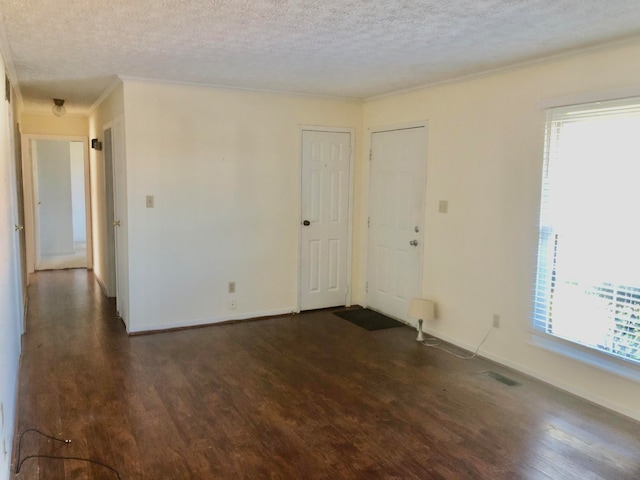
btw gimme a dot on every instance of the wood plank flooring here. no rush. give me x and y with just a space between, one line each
310 396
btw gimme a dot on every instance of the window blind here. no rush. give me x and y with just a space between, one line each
587 287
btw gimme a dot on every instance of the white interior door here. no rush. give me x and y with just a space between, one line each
53 195
324 255
110 284
396 223
120 215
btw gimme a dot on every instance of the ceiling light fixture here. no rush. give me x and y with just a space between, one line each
58 107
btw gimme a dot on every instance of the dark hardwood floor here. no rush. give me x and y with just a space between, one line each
301 397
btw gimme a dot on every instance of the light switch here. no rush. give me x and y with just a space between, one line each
149 201
443 206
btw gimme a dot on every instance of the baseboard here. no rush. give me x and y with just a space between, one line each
16 392
602 402
25 310
180 325
102 285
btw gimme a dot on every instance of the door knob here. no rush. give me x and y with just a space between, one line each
413 243
116 223
306 223
19 227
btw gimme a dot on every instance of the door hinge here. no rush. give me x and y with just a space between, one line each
370 155
368 222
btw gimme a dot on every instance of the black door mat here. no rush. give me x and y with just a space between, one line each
368 319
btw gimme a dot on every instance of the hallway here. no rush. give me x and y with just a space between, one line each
78 259
297 397
75 369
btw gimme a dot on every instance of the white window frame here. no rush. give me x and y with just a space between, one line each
600 359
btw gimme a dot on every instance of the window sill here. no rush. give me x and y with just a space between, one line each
586 355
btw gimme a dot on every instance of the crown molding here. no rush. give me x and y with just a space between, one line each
126 78
113 84
603 47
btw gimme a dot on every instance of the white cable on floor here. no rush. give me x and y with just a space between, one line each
438 345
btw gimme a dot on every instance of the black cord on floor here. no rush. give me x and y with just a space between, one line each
20 461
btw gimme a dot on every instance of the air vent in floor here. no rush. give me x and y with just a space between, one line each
501 378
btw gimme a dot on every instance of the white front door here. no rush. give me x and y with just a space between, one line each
396 223
324 254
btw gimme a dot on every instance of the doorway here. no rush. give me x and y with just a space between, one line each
325 252
57 191
396 222
117 281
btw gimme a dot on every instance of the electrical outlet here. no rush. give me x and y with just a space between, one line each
232 287
232 304
496 320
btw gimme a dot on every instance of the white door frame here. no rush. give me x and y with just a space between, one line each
368 149
119 173
351 132
28 170
110 287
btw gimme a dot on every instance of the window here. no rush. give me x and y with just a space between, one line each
588 274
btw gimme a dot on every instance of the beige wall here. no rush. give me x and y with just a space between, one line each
485 157
49 124
111 108
223 167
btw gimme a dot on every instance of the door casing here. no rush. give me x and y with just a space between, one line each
30 195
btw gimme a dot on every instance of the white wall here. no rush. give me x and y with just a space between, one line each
485 157
10 289
223 167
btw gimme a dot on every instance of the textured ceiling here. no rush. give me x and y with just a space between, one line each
73 49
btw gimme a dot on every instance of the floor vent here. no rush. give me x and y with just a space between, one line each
502 379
